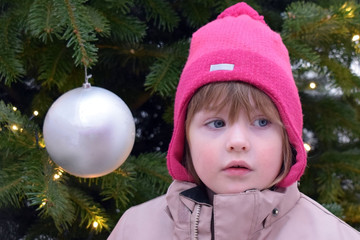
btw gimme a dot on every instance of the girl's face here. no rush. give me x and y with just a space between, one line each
235 156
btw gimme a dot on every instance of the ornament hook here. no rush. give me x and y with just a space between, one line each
87 84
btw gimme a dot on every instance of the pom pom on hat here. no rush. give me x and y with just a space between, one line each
239 46
241 9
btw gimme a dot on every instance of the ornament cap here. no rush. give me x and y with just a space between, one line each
86 85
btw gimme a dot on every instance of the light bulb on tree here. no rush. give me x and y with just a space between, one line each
89 131
312 85
356 38
95 224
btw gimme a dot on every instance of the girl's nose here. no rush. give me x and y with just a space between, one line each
238 140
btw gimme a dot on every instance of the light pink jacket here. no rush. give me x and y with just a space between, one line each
183 213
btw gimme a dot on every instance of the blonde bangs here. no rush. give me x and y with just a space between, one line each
236 97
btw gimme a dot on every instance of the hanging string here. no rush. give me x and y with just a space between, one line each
87 84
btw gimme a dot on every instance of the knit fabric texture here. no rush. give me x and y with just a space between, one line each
239 46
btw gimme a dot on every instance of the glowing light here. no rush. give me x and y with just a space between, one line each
56 176
356 38
14 109
14 127
307 147
43 203
42 144
312 85
95 224
36 113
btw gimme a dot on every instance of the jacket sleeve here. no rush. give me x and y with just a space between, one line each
120 230
145 221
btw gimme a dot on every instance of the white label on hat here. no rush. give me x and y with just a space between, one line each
222 66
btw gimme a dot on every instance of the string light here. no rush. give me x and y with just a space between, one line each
43 203
307 147
356 38
36 113
312 85
14 109
349 10
14 127
42 143
95 224
58 174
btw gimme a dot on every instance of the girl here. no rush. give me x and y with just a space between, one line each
236 152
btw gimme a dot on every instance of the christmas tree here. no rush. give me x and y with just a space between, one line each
137 49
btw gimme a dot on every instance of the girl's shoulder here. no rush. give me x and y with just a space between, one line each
148 220
310 216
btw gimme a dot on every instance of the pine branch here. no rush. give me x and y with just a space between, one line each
43 22
51 195
318 26
332 169
42 102
352 213
28 175
303 19
168 115
197 12
331 113
122 6
119 187
322 37
165 72
343 76
345 163
11 65
54 66
79 32
126 28
329 189
11 187
151 170
301 52
99 22
89 211
161 12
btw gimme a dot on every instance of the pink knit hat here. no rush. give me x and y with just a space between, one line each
239 46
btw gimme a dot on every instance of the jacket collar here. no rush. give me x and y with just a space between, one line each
253 210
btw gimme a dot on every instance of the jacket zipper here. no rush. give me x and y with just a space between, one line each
197 219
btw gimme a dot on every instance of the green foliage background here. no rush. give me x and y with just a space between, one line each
137 49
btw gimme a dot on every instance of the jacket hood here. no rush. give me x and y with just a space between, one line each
239 46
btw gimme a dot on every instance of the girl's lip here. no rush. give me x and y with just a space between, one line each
237 169
238 164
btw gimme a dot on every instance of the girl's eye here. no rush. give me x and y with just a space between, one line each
217 124
262 122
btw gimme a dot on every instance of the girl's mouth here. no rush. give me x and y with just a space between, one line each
237 168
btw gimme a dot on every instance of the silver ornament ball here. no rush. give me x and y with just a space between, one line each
89 131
